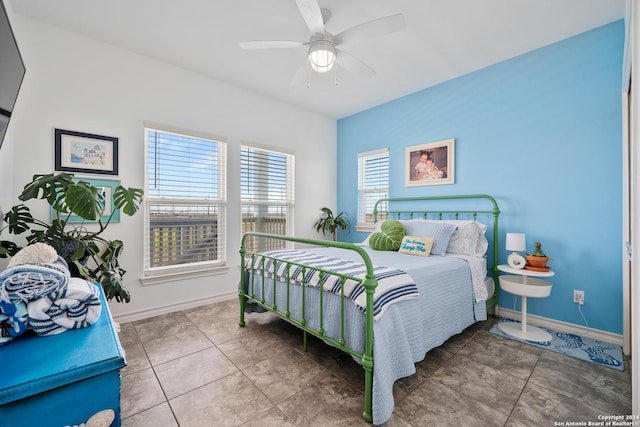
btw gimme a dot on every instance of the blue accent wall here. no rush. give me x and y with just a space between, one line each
542 133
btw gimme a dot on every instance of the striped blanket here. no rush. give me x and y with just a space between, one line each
393 285
77 306
13 320
26 282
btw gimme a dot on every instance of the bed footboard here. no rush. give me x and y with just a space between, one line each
248 294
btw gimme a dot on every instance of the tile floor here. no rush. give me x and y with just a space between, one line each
198 368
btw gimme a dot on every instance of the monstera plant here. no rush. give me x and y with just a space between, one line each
80 243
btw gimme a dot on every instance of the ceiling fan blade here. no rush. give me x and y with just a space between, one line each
354 65
371 29
310 10
301 76
271 44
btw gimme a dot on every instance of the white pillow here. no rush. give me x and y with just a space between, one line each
439 230
376 227
468 239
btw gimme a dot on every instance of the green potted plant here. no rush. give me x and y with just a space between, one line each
537 260
329 222
87 253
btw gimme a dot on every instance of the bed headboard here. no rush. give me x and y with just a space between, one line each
478 207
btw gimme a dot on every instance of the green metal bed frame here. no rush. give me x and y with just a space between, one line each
248 297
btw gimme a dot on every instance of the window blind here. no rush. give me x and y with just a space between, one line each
373 182
185 200
266 193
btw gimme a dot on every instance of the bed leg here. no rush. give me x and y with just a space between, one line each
243 277
367 364
242 303
304 341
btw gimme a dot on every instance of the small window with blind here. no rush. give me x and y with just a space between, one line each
185 202
373 185
266 194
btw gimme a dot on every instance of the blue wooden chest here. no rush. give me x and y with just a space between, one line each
61 380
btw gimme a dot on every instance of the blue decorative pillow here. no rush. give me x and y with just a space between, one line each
441 233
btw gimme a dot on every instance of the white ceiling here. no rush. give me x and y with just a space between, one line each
443 39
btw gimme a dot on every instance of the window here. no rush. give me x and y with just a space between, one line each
373 183
267 196
185 202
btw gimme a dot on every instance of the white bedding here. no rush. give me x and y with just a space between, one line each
478 266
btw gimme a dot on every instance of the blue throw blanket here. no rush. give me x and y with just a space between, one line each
76 306
13 321
393 285
26 282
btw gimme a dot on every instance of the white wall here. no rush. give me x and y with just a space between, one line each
79 84
6 182
632 205
6 163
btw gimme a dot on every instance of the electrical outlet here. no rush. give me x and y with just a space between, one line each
578 296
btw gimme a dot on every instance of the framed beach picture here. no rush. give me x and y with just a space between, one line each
430 164
85 153
108 186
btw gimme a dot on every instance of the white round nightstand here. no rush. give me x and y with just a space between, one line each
524 283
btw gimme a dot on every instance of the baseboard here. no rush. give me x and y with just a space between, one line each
571 328
170 308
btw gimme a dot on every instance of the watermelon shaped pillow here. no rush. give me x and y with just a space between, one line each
389 238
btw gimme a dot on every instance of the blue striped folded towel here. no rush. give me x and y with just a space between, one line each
13 321
77 306
393 285
26 282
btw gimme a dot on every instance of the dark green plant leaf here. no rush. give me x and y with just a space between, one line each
111 281
8 248
19 218
47 187
79 253
112 252
127 199
83 271
91 247
85 200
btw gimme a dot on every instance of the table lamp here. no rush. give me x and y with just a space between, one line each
515 243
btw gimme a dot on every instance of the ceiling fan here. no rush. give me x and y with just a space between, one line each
324 48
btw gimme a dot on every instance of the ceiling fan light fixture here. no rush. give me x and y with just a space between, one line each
322 56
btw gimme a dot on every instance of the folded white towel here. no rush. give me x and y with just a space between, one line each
77 306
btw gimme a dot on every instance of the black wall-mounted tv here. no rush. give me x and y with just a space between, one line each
11 71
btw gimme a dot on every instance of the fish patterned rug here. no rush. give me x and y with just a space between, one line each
584 348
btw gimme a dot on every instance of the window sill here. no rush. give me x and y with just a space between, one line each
365 227
181 273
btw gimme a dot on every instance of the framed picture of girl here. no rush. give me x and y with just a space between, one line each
430 164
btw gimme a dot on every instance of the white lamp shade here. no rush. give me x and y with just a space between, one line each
515 242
